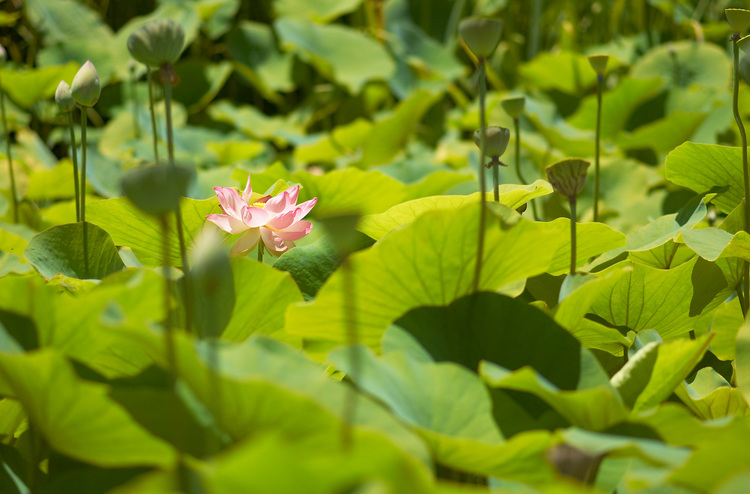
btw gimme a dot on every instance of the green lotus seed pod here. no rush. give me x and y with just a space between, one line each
157 189
739 19
64 98
496 140
514 106
744 43
157 42
481 35
568 176
599 63
86 87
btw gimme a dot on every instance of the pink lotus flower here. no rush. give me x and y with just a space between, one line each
276 220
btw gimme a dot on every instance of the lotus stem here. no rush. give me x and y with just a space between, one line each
14 197
482 180
167 73
743 291
517 128
74 155
134 101
496 180
573 219
153 114
597 152
83 165
260 250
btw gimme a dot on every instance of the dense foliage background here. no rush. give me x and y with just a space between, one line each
384 370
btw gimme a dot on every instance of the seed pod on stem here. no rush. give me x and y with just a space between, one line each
568 178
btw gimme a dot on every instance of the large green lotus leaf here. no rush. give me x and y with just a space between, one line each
684 63
501 330
130 227
702 166
430 262
714 243
710 396
338 52
595 408
571 312
513 196
390 134
664 134
251 45
725 324
262 296
564 71
349 190
732 268
448 406
265 383
666 228
438 182
61 250
321 11
26 87
674 361
717 446
558 134
50 184
342 141
76 417
592 239
649 298
665 256
254 123
15 237
206 80
617 106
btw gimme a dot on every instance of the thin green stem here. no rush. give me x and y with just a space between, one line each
260 250
745 171
153 114
14 197
599 89
482 180
573 219
74 155
134 101
496 179
83 165
178 212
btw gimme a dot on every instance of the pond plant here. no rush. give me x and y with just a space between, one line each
284 285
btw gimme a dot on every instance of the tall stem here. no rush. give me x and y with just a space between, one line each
83 165
260 250
745 176
134 101
14 197
167 81
482 179
496 179
74 155
153 114
599 89
573 219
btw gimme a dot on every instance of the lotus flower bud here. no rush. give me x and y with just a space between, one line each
157 42
568 176
86 88
480 35
739 20
514 106
64 98
496 140
599 63
3 55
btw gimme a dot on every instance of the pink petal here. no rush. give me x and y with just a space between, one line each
295 232
304 208
230 201
255 217
245 243
283 202
273 243
227 223
281 222
248 192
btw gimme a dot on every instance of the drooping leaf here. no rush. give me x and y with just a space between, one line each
710 396
62 250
